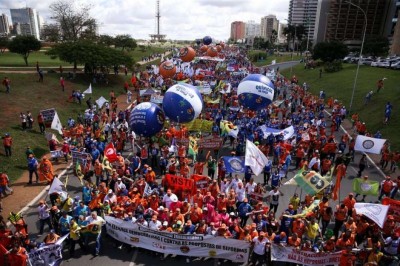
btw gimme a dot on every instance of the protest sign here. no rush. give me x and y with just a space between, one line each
287 132
310 181
48 116
200 182
234 164
294 255
375 212
210 142
50 255
178 244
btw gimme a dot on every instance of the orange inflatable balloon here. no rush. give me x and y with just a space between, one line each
204 48
219 48
167 69
212 51
187 54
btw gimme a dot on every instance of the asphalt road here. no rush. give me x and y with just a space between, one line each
112 255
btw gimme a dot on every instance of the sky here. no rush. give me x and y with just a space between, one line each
180 19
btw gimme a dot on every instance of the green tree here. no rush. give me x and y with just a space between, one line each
125 41
50 33
74 23
3 44
105 40
330 51
376 46
293 34
90 54
24 45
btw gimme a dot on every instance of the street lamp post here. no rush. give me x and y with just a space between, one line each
308 33
361 50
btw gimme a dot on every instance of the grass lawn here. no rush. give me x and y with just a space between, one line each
29 95
8 59
279 59
340 85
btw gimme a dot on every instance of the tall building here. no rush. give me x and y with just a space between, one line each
268 23
28 19
281 37
338 20
238 29
252 29
393 17
4 25
304 12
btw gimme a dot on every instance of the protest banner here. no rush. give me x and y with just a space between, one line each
287 132
80 158
200 182
394 207
368 144
294 255
50 255
306 212
157 98
48 116
375 212
177 244
181 186
199 125
234 164
210 142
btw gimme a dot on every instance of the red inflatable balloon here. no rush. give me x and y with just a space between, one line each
212 51
219 48
204 48
187 54
167 69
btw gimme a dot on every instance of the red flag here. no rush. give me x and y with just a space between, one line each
110 153
337 187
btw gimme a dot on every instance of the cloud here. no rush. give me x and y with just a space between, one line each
180 19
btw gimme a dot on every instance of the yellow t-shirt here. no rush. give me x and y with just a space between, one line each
295 202
312 230
74 233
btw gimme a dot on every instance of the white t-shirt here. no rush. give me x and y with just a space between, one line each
259 246
274 196
155 225
250 187
234 183
393 245
240 194
169 199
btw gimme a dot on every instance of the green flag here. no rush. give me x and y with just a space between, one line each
366 187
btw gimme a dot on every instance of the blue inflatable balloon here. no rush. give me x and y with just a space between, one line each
207 40
182 103
198 41
255 92
146 119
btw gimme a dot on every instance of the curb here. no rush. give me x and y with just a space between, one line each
40 195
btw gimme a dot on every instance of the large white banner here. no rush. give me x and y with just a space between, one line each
376 212
368 144
50 255
178 244
287 132
291 254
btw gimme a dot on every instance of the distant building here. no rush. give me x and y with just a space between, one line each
28 20
4 25
304 12
268 24
340 21
395 47
252 29
238 29
281 35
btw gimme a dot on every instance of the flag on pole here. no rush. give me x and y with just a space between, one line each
101 101
88 90
368 144
311 181
254 158
376 212
337 187
234 164
78 170
193 147
56 124
365 187
57 186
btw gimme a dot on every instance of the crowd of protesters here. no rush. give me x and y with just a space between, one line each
133 187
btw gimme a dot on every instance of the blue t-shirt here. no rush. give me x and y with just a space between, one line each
275 178
64 223
244 208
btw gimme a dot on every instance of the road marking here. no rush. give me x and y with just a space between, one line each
135 254
40 195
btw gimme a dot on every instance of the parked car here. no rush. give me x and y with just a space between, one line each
366 61
384 63
347 59
375 63
395 65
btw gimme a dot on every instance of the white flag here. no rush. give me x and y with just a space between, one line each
254 158
376 212
89 90
57 186
368 144
56 124
100 101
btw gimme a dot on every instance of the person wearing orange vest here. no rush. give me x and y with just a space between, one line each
40 119
340 217
387 186
98 171
4 184
46 170
7 143
349 201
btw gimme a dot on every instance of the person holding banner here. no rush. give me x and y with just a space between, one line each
46 172
259 246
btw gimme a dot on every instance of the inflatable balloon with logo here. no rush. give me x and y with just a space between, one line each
182 103
204 48
255 92
207 40
212 51
146 119
167 69
187 54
